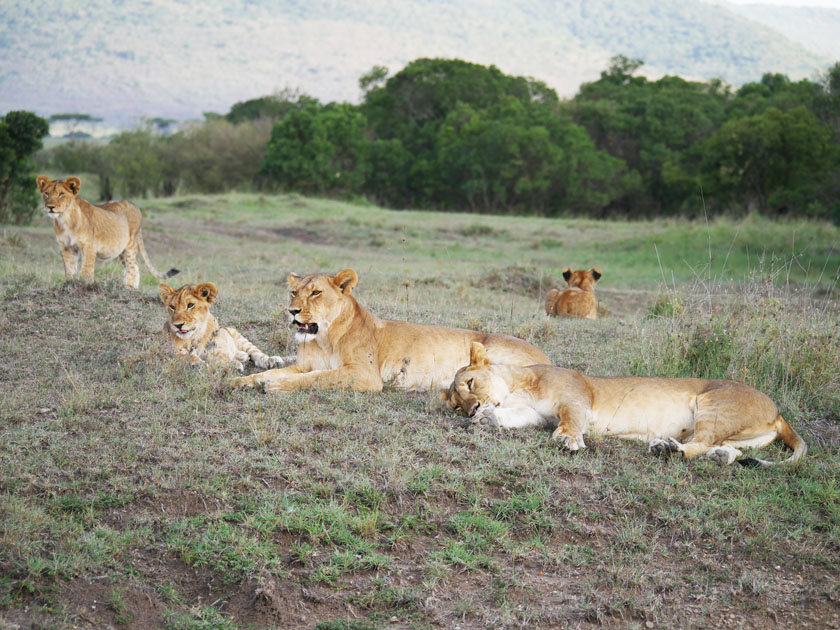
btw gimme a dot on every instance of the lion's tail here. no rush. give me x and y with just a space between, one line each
786 434
155 272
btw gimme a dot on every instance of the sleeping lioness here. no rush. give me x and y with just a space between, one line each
196 336
692 416
96 232
341 344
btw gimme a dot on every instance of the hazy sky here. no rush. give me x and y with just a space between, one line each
832 4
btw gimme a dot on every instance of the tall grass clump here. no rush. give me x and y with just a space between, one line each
778 342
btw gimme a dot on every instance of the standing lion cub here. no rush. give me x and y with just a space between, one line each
96 232
579 299
196 336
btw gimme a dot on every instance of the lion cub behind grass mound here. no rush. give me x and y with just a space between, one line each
579 299
341 344
97 232
712 418
195 334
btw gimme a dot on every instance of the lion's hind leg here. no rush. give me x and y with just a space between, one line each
723 454
128 258
570 428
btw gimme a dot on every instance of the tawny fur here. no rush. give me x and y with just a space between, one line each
196 336
579 299
104 232
341 344
692 416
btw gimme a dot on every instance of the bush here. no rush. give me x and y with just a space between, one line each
20 138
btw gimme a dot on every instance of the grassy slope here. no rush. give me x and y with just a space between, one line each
137 492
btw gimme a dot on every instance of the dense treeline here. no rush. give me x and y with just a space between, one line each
451 135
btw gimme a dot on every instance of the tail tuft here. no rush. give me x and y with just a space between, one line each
751 462
171 272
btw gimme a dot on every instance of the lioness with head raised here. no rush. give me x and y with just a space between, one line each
579 299
692 416
196 336
96 232
341 344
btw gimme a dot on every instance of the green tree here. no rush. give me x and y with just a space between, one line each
273 107
73 120
413 105
20 137
776 162
525 159
654 127
135 163
215 156
318 150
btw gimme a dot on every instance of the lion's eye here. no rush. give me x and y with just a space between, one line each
315 293
60 195
294 293
171 307
190 305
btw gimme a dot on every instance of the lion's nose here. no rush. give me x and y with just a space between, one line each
294 311
50 207
474 409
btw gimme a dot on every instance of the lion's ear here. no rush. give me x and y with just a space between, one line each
74 184
43 181
346 280
165 292
293 279
596 273
567 273
478 355
207 291
444 395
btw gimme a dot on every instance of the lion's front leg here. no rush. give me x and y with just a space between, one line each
573 418
88 263
264 378
341 378
71 261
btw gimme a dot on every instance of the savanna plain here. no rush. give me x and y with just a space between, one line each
140 492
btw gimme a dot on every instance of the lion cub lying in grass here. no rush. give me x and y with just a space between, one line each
712 418
196 336
97 232
341 344
579 299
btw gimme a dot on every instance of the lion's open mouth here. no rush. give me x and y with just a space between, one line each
183 332
307 329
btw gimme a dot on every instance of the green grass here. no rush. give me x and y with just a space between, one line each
151 487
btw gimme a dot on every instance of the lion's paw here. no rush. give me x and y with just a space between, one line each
486 417
241 357
569 442
663 447
721 455
278 361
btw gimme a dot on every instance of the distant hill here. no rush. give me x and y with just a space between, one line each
817 29
122 59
